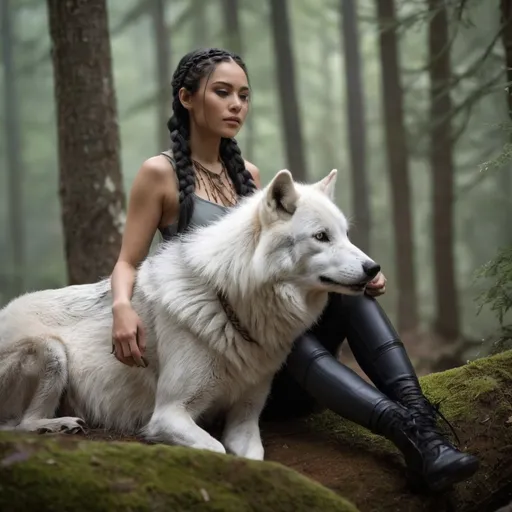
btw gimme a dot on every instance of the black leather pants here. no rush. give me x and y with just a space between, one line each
395 408
313 376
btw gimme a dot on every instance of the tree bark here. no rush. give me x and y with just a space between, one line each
286 82
398 167
15 171
442 168
356 125
163 71
91 188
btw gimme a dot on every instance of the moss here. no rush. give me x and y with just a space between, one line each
347 432
61 474
460 392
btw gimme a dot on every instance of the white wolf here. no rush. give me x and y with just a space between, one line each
222 307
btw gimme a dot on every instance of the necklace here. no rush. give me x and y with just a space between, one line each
217 186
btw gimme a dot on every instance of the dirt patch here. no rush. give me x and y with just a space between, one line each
374 479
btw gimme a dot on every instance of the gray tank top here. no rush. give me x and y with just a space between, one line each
204 212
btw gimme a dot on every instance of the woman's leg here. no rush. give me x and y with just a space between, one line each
429 457
379 351
288 398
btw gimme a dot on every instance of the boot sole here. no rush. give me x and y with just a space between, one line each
445 479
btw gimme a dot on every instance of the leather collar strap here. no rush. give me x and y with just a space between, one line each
233 318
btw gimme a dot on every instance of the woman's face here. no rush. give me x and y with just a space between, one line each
221 103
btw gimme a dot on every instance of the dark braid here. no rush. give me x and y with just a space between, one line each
191 68
235 165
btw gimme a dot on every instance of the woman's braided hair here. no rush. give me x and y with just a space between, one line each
191 68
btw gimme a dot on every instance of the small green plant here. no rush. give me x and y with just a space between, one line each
499 294
498 270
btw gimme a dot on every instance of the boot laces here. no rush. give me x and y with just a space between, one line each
422 419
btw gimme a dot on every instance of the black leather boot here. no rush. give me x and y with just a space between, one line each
381 354
431 461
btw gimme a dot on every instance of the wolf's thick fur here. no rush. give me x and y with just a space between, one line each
275 257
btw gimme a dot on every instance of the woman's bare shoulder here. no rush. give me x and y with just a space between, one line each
255 172
157 168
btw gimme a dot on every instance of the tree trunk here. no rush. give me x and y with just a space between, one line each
441 163
233 36
199 20
163 71
506 179
15 171
398 167
356 126
234 43
328 147
506 19
285 70
91 188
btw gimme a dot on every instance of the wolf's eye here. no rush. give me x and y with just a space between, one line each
321 236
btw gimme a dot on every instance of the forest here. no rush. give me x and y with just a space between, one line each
409 100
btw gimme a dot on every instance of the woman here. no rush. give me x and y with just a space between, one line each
194 183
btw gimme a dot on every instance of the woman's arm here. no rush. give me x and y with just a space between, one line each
146 204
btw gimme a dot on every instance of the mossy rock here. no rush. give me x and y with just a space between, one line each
61 473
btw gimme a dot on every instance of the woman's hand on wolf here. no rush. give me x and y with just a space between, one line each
377 286
128 337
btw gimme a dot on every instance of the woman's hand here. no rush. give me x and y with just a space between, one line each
377 286
128 337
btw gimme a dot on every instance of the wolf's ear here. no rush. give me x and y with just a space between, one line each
328 184
281 196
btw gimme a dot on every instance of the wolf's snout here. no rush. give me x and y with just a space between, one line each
371 269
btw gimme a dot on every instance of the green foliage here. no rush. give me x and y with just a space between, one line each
499 294
498 270
497 163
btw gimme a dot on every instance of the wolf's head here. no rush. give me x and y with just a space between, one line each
304 239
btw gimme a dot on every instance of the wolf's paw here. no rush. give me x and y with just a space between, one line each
65 425
253 450
245 444
211 444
